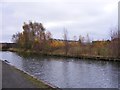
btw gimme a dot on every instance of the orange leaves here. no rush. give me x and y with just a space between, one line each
99 44
57 44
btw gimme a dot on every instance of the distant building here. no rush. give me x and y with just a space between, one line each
7 45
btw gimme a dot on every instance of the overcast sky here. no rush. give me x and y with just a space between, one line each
79 17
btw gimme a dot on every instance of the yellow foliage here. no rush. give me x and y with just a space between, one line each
57 44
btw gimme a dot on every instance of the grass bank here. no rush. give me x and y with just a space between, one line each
29 52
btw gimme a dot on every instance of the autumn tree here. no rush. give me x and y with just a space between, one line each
49 40
32 37
18 39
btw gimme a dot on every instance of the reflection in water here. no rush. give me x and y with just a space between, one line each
67 73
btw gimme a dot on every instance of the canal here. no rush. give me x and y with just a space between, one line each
67 73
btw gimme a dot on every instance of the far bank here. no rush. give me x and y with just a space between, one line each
30 52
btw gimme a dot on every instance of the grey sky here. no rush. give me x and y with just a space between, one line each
79 17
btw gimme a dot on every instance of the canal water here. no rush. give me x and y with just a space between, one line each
67 73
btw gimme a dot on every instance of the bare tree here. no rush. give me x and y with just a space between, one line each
81 44
66 45
88 44
81 39
118 43
115 42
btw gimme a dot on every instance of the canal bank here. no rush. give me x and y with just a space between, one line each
15 78
102 58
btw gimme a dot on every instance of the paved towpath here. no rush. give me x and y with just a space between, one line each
14 78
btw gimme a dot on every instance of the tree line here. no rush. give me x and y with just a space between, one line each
35 37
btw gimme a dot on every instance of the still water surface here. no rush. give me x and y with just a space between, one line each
67 73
